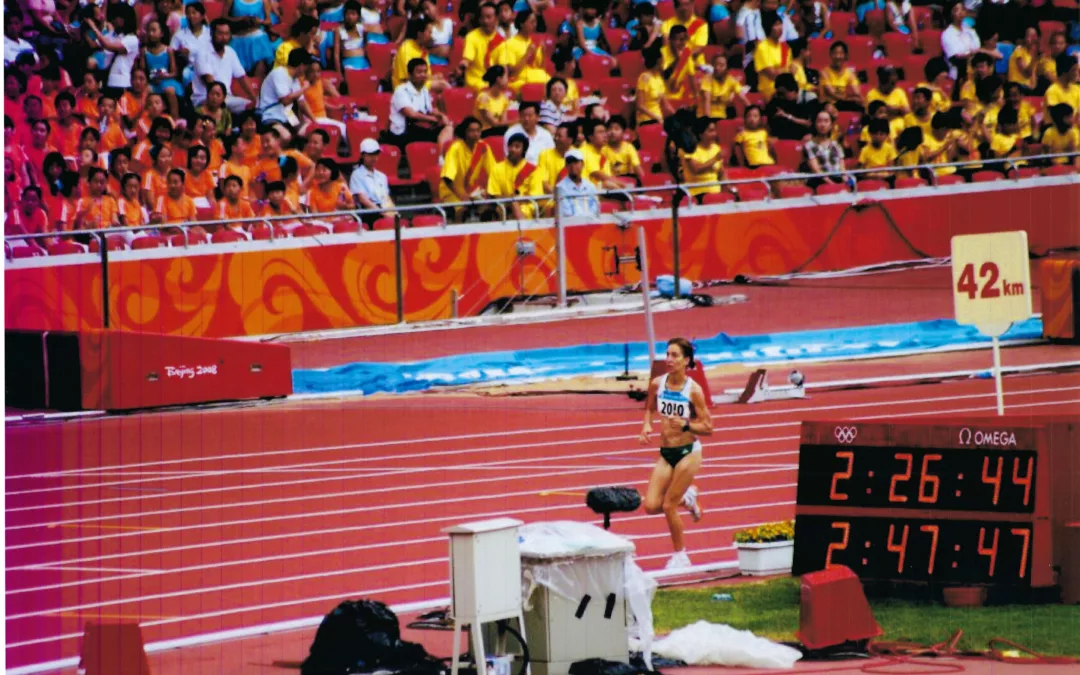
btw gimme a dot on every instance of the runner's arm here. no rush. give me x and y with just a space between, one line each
702 426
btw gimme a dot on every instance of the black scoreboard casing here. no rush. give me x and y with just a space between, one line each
955 502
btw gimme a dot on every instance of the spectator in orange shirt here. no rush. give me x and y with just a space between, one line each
161 132
87 104
109 126
176 207
68 130
156 179
233 207
39 148
200 183
206 135
234 164
268 168
97 209
328 193
132 211
119 165
29 217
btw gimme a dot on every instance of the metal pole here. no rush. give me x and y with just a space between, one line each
104 242
675 237
560 247
649 334
997 377
400 286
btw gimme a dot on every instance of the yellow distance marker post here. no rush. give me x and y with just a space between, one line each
991 280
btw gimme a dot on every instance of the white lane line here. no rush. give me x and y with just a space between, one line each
300 577
493 465
347 549
382 506
64 567
545 430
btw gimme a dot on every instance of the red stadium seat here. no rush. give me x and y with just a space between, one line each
608 206
617 38
897 45
831 189
656 180
819 49
389 161
334 132
553 18
1048 28
726 131
115 243
871 185
752 192
924 18
908 182
951 179
931 42
789 153
1059 170
498 148
29 251
794 191
387 224
631 65
379 106
361 83
148 241
665 10
861 50
652 139
421 155
434 178
595 67
986 177
381 58
226 236
264 232
309 230
345 226
843 23
460 102
214 10
428 221
718 197
875 21
65 248
614 89
739 173
1025 172
533 92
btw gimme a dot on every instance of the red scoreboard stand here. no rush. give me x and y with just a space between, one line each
984 501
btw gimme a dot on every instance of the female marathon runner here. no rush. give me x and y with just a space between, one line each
684 416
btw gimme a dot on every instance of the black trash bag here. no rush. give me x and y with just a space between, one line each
608 500
605 667
361 636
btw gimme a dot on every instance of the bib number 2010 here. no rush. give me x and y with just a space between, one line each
669 408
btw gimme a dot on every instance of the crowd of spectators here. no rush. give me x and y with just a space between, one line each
159 113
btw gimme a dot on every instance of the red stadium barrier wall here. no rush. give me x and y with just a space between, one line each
300 285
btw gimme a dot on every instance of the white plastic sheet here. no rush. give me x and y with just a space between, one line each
704 643
573 559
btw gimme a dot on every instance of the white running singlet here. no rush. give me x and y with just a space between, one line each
674 403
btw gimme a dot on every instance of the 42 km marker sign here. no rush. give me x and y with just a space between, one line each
991 286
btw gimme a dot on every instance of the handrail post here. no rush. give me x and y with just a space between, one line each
675 200
398 284
560 249
645 295
103 242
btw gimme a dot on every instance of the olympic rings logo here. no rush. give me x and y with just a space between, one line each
846 435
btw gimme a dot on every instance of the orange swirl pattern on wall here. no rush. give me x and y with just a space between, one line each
300 285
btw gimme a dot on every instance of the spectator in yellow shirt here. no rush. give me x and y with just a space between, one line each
1025 112
1024 61
839 84
878 110
718 90
880 152
940 146
1005 141
467 161
493 104
1065 90
417 40
936 72
1062 136
597 167
697 29
514 177
652 102
706 163
480 46
523 54
887 91
771 56
921 115
982 66
680 68
753 147
622 157
301 35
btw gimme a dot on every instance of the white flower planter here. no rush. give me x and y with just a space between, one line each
773 557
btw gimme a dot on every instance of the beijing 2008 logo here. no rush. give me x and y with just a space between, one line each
846 435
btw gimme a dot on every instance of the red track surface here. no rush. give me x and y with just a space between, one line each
205 521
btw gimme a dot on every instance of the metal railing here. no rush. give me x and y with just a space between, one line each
629 197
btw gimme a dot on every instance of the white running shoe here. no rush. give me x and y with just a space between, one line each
689 500
678 561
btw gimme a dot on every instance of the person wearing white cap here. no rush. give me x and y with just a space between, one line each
577 196
369 187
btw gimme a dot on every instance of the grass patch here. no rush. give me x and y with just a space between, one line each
771 609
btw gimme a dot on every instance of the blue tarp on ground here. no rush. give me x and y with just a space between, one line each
884 340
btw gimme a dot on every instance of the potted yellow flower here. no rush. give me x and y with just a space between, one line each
766 549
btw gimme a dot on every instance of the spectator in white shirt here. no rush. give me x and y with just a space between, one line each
281 99
124 44
540 139
413 117
960 42
577 196
188 42
14 44
369 186
221 64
